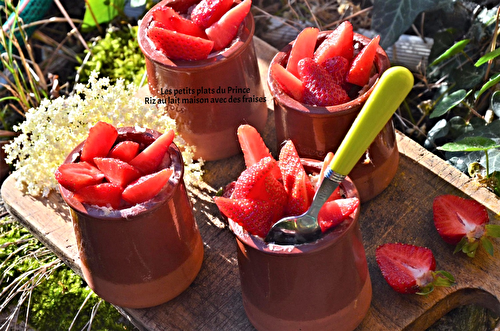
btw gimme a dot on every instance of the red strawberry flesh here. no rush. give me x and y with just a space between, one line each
171 20
338 43
361 68
103 195
150 158
207 12
124 150
116 171
456 218
406 268
101 138
146 187
303 47
74 176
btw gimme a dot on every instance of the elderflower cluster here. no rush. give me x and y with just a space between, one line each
51 131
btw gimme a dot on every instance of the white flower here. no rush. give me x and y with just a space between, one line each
52 130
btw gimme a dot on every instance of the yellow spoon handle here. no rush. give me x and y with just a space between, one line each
389 92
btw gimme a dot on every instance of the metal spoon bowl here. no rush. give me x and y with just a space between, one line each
391 89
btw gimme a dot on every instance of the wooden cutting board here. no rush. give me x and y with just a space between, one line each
402 213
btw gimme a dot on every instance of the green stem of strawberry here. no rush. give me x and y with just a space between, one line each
440 278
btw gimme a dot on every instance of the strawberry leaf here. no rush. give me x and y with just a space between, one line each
492 230
443 278
488 246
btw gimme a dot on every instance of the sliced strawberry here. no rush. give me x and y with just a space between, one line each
116 171
124 150
182 6
252 145
180 46
463 222
146 187
74 176
337 67
290 84
335 212
103 195
226 28
320 89
150 158
255 216
102 137
251 183
338 43
410 269
207 12
171 20
361 67
303 47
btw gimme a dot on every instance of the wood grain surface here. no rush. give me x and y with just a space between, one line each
402 213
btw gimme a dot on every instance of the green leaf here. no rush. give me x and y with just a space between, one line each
439 130
460 245
488 246
487 57
443 278
453 50
391 18
490 83
493 230
470 144
448 102
495 103
103 10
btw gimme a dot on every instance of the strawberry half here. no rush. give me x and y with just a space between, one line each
337 67
255 216
146 187
295 180
180 46
335 212
252 145
338 43
103 195
74 176
226 28
252 182
207 12
290 84
124 150
101 138
463 222
303 47
171 20
410 269
150 158
116 171
320 88
361 67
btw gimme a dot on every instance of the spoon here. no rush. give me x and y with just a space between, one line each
391 89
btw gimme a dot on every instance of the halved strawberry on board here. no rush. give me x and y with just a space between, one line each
103 195
207 12
101 138
150 158
361 67
74 176
180 46
303 47
464 223
226 28
338 43
171 20
335 212
410 269
116 171
146 187
290 84
124 150
255 216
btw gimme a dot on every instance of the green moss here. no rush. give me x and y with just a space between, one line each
59 293
117 55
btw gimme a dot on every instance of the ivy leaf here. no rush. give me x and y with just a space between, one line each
103 10
453 50
391 18
439 130
449 102
495 103
487 57
470 144
490 83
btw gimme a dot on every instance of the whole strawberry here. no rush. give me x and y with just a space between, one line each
410 269
320 87
337 67
464 223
